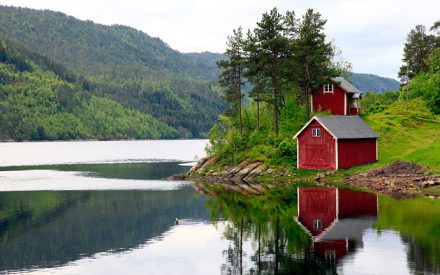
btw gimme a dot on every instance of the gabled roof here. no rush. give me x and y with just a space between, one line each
343 127
347 86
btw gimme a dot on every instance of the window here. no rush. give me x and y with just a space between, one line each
317 224
330 256
316 132
328 88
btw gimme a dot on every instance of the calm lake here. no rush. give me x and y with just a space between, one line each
106 208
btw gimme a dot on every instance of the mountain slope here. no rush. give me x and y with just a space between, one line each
374 83
124 64
41 100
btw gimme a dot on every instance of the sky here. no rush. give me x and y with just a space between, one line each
370 33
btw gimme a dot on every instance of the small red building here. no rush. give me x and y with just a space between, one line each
335 142
335 218
339 97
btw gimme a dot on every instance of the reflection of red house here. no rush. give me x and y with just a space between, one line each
338 97
335 218
334 142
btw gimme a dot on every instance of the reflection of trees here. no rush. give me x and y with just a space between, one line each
418 222
280 244
149 170
89 222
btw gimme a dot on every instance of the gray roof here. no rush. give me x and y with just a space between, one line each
347 86
348 228
346 127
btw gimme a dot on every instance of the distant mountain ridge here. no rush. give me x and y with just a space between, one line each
374 83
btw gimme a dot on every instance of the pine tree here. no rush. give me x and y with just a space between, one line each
312 53
273 50
231 75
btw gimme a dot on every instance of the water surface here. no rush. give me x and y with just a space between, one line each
113 217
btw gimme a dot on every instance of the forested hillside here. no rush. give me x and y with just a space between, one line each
41 100
374 83
125 65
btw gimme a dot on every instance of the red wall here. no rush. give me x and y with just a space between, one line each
316 152
316 203
329 102
356 203
353 152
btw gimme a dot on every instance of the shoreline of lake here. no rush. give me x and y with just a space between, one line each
399 179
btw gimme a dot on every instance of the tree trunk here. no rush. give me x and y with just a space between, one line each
238 89
258 115
306 92
241 246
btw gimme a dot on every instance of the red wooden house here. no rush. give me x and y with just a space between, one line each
338 96
334 142
335 218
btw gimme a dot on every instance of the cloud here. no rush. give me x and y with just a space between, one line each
371 33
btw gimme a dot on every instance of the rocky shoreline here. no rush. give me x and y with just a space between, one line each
399 179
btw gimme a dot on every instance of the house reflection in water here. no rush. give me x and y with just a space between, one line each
335 219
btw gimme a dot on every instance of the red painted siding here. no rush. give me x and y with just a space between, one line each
353 152
333 102
356 203
316 204
316 152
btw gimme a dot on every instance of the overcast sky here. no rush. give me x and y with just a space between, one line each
370 33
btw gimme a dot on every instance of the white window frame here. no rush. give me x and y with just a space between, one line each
328 88
316 132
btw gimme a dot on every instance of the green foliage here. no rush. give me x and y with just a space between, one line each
122 64
427 85
38 104
373 103
419 45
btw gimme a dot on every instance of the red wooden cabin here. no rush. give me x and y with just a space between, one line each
334 142
335 218
338 96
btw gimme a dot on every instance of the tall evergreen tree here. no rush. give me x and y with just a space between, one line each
232 72
273 50
254 73
312 53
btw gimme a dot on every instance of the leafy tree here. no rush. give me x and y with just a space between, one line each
418 46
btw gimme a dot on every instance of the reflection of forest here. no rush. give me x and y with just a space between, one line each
281 246
46 229
147 170
418 222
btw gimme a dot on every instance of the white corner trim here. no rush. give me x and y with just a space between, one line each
377 151
297 154
297 197
345 103
337 204
336 154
